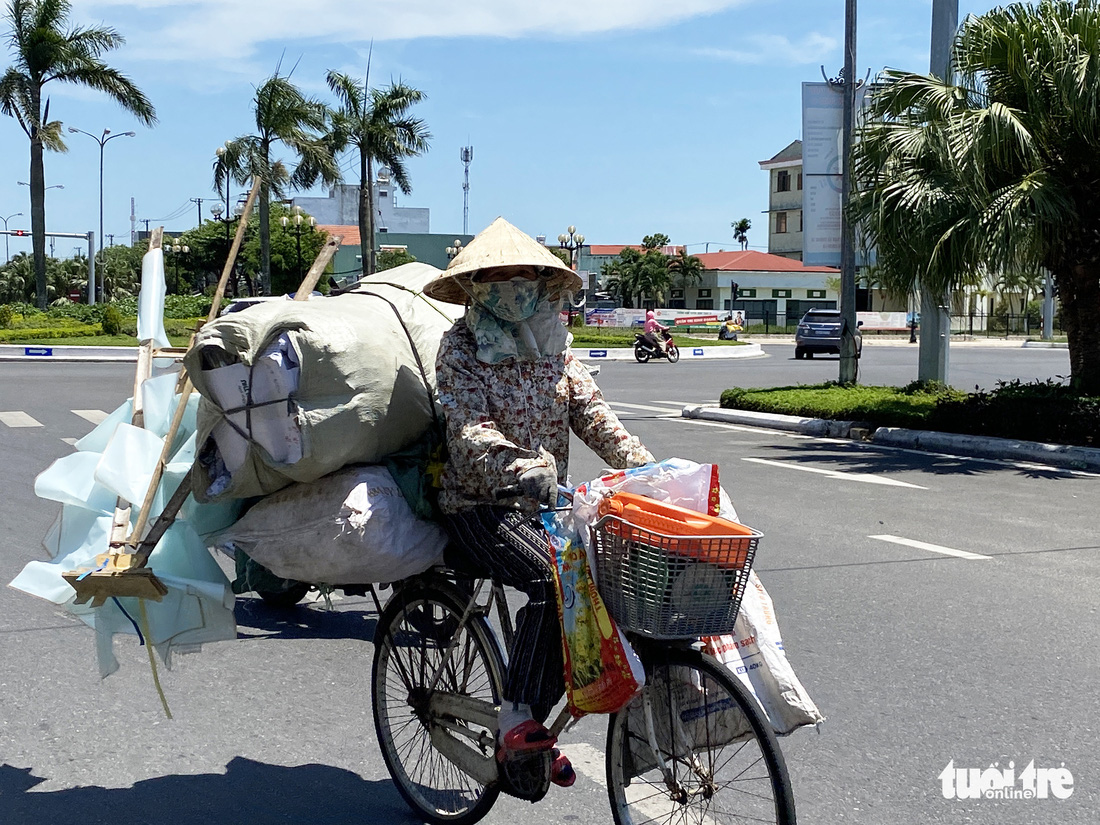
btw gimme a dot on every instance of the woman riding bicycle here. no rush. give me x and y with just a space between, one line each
512 390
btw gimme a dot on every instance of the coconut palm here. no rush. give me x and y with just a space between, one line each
998 171
46 48
741 232
283 116
377 124
688 269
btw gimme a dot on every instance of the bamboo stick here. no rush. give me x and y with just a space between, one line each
314 274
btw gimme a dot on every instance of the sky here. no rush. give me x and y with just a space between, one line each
622 118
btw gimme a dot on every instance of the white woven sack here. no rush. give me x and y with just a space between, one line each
351 527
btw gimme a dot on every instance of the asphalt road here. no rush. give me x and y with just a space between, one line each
918 658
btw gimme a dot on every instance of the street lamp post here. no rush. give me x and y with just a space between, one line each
217 212
297 221
102 140
452 251
7 249
572 242
177 249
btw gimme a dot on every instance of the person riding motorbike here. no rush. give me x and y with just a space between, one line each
652 334
511 390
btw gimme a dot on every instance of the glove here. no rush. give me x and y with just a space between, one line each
540 483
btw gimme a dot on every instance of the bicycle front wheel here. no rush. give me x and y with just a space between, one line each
419 630
695 746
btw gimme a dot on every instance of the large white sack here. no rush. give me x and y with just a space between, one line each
351 527
365 386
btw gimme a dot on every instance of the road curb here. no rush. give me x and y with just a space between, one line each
45 352
686 353
11 352
1055 455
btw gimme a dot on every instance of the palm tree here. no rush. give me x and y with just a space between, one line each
377 124
687 267
997 172
47 48
283 116
741 232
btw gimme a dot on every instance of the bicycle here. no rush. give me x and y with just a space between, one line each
693 745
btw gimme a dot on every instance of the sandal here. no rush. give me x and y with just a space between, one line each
526 737
561 771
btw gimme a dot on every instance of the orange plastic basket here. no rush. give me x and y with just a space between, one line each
668 572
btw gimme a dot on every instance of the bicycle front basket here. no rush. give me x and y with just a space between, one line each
671 587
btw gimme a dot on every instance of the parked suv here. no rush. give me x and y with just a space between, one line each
819 331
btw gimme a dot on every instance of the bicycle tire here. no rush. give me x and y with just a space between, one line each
413 633
744 780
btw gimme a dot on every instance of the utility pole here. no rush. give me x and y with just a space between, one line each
133 223
198 203
848 361
935 318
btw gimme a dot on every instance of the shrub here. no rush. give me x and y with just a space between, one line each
6 316
112 320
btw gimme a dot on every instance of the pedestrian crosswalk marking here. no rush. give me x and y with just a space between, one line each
18 418
94 416
71 441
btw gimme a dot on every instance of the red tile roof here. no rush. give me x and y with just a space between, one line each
615 249
350 233
749 260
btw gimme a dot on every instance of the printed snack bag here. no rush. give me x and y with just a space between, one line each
602 672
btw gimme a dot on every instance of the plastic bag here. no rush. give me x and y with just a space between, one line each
602 671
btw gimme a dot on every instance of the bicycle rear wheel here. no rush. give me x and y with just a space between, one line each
415 633
717 759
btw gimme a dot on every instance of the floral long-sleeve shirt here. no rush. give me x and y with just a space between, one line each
504 419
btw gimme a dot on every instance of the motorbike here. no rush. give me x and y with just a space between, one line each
643 350
729 330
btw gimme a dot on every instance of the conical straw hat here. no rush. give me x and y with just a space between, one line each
498 245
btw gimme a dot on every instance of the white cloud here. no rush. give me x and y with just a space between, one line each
227 30
759 49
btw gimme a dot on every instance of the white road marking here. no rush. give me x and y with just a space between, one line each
94 416
71 441
866 478
587 760
18 418
741 428
591 762
647 408
932 548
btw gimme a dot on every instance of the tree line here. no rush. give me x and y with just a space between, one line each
375 125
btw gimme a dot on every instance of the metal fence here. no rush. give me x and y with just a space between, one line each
1002 324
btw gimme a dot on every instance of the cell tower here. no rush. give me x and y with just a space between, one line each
467 155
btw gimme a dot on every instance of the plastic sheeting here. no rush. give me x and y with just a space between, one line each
117 460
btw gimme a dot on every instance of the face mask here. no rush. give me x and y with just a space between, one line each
515 300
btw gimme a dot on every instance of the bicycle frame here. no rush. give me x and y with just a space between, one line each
448 711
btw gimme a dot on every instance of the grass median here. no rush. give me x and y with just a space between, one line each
1045 411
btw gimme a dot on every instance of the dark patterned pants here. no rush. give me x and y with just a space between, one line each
512 547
